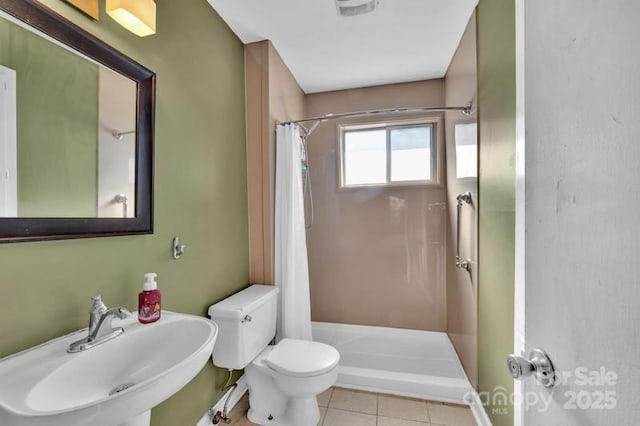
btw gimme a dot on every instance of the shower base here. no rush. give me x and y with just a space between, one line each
413 363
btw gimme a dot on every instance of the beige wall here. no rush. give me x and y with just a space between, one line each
462 287
376 255
272 95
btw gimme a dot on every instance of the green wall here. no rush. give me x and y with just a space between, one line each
200 195
57 121
496 245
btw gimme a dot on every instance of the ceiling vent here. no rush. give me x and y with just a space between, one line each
356 7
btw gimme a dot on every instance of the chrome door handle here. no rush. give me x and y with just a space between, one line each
538 365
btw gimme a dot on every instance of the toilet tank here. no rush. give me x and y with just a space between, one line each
246 324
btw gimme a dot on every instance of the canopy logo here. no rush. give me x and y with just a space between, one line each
579 389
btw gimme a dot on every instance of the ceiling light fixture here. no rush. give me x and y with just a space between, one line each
356 7
137 16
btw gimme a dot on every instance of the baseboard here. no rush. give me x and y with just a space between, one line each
479 413
238 393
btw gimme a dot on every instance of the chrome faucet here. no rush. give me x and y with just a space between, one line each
100 327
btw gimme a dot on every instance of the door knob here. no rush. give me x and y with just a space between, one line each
538 365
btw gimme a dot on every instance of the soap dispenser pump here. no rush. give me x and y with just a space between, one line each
149 300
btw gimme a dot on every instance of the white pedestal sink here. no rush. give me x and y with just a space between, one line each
113 384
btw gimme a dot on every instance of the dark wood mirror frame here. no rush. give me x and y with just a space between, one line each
34 229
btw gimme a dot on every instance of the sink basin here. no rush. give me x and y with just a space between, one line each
115 383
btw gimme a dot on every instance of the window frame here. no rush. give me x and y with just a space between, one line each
436 162
455 151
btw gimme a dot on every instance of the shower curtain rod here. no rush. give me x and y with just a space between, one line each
321 119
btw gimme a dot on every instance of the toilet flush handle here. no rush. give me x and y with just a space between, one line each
247 318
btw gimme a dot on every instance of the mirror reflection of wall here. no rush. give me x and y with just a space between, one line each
116 145
62 159
8 154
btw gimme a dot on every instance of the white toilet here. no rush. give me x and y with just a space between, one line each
284 379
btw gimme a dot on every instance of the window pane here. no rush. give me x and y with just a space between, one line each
466 150
411 153
365 157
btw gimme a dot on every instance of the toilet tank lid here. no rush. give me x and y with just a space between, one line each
243 302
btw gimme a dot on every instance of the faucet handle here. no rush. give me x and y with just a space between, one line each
98 306
122 312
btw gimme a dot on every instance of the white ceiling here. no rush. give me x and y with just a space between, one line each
403 40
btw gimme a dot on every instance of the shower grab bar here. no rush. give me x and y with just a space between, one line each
461 198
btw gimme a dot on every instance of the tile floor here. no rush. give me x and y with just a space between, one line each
345 407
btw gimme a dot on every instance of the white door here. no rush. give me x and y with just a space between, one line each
579 89
8 144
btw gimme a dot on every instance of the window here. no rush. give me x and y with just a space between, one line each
466 150
381 155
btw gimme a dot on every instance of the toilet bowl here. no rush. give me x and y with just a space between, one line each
284 379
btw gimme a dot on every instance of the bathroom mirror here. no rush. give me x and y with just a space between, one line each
76 131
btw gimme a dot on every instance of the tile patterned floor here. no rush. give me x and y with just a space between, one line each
345 407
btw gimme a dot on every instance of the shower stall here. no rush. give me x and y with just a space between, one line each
392 282
379 242
390 198
414 363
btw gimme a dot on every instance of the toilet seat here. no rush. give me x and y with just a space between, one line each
302 358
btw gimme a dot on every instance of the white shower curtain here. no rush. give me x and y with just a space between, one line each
291 271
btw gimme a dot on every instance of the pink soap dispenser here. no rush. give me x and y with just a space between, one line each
149 300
